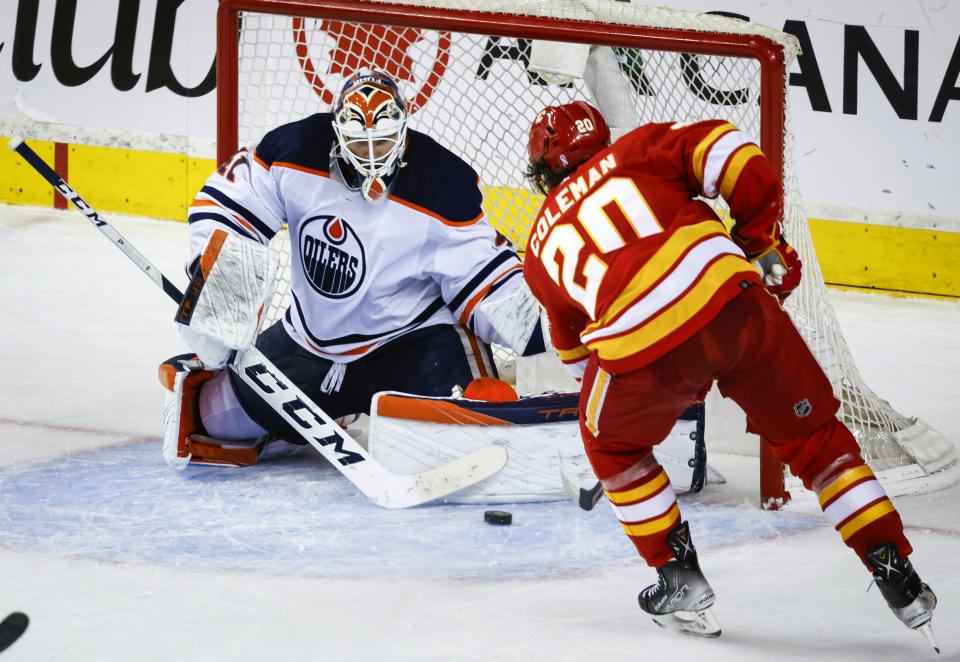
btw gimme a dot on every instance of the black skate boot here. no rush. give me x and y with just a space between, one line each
681 599
910 599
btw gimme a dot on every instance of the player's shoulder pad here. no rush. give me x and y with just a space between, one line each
305 143
438 180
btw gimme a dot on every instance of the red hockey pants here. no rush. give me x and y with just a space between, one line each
759 360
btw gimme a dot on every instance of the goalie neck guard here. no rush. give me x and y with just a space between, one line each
370 122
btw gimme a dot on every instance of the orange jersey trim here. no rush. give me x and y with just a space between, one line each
424 210
259 161
210 203
432 411
351 352
468 309
294 166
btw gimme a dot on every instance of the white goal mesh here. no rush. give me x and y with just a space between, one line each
465 69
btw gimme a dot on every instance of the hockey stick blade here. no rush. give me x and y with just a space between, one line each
384 488
11 628
340 449
585 498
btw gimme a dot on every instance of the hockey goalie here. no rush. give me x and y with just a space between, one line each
397 283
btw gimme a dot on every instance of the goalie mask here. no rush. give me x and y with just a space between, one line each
561 138
370 122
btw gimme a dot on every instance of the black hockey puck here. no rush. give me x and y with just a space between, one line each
497 517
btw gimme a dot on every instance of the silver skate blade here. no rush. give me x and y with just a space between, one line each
699 623
927 631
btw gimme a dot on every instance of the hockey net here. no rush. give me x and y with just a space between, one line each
465 68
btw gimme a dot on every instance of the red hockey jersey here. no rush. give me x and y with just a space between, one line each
626 259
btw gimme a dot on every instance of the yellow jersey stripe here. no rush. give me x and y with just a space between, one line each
674 317
852 500
568 355
661 263
700 151
668 521
595 401
736 164
641 491
648 509
871 514
844 480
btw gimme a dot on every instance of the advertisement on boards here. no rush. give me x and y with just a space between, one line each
875 96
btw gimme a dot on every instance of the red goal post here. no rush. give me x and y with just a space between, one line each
472 72
444 16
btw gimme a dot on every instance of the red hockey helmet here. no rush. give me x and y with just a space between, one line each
566 136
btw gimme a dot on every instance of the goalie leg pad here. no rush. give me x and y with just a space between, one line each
184 440
541 434
409 433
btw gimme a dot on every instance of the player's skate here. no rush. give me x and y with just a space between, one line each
910 599
681 599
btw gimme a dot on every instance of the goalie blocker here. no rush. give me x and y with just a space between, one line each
540 433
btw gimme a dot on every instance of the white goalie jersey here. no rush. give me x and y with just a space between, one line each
363 273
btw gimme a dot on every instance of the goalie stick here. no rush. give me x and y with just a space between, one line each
315 425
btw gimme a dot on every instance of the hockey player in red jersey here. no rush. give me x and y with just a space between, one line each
650 300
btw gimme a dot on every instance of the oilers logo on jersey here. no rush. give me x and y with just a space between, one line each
332 256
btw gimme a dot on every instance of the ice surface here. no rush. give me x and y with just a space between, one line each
114 556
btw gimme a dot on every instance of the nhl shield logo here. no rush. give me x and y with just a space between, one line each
332 256
803 408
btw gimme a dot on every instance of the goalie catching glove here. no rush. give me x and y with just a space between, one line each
230 282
